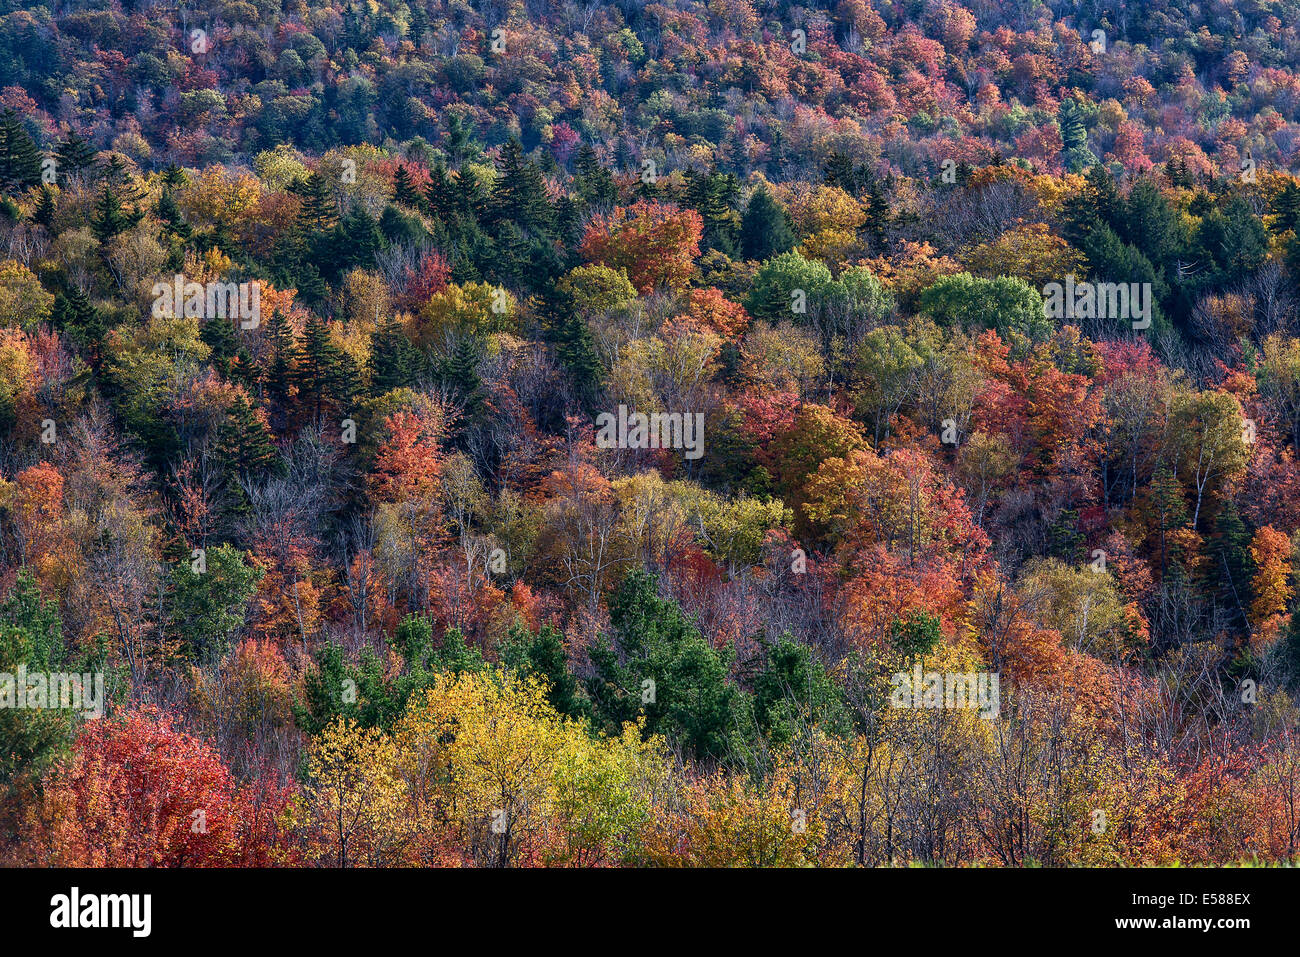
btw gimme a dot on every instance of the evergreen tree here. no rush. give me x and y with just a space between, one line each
319 211
713 196
519 195
108 219
593 183
462 375
692 703
460 145
74 156
219 336
394 361
74 314
1286 208
574 347
404 191
877 213
765 229
45 208
283 356
356 241
244 443
318 368
170 213
542 655
419 25
20 160
1074 137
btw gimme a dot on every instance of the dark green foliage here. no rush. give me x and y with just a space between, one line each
658 664
765 229
793 694
541 654
20 160
210 595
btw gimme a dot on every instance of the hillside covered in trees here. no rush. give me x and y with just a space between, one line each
649 434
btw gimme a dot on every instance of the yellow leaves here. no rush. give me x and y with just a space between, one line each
1082 604
218 195
516 779
722 820
23 301
783 358
817 208
355 799
1031 252
474 309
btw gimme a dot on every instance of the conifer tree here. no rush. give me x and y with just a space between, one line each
73 156
20 160
765 229
404 191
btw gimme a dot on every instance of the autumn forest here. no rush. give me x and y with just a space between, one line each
550 433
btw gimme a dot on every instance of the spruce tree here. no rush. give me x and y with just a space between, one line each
460 373
20 160
283 356
404 191
75 315
394 361
74 155
593 183
1286 208
108 219
519 195
765 229
319 211
45 208
218 334
318 366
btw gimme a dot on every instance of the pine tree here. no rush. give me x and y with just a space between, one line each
244 442
1074 137
765 229
713 196
1170 509
462 376
355 242
170 213
318 367
404 192
75 315
319 210
108 219
173 177
519 195
440 195
419 24
283 356
574 347
460 144
877 213
45 208
74 155
218 334
394 361
593 183
1231 570
20 160
1286 208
